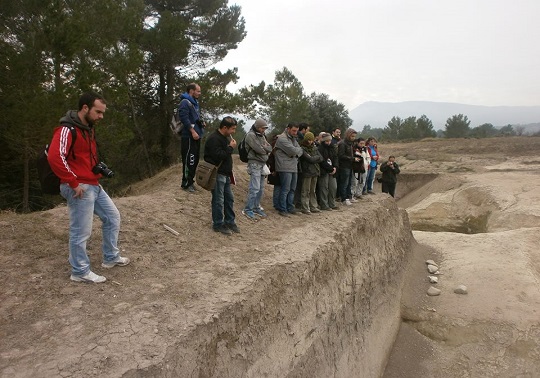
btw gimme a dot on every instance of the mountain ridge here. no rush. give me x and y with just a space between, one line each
377 114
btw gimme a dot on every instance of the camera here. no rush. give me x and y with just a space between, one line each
102 168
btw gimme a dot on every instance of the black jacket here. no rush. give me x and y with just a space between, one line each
345 154
217 150
330 159
389 172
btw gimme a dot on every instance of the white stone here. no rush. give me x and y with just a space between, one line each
461 289
433 279
431 262
432 291
432 269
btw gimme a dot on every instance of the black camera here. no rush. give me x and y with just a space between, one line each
102 168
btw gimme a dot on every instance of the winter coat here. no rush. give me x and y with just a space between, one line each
389 173
329 158
287 152
345 154
309 161
217 150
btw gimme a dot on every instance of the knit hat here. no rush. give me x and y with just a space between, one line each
309 136
325 137
259 122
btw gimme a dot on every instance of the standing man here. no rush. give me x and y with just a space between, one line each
192 131
390 170
258 151
218 150
346 157
75 161
287 152
326 184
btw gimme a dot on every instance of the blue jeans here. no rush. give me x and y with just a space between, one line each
222 202
370 177
286 194
275 196
81 215
345 183
256 186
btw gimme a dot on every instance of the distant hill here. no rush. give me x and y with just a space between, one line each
377 114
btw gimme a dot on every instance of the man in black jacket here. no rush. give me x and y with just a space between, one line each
327 185
218 150
390 170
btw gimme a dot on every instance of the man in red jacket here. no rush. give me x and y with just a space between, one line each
79 169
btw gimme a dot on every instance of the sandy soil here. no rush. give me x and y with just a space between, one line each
491 332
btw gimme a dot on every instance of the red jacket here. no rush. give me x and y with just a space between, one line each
76 168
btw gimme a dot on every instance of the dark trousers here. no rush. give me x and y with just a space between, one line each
189 148
389 187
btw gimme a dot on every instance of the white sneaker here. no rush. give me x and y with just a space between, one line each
348 202
353 200
89 277
119 261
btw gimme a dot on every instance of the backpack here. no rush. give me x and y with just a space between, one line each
50 183
243 151
175 124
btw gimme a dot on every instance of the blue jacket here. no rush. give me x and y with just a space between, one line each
188 111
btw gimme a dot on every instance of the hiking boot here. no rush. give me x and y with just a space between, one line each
233 227
294 212
89 277
223 229
190 189
119 261
250 214
307 212
371 192
260 212
283 213
315 210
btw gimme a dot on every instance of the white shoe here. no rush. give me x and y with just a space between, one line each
348 202
89 277
353 200
119 261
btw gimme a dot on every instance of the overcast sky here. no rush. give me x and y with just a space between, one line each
478 52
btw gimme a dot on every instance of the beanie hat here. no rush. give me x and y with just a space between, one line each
325 137
259 122
309 136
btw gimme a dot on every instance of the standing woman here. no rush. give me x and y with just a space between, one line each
372 169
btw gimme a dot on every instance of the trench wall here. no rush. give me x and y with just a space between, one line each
332 310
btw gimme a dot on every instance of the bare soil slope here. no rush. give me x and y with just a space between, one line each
48 322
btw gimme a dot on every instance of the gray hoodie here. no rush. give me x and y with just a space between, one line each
258 147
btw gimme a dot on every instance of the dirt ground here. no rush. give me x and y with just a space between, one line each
491 332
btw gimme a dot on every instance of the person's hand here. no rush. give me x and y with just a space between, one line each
333 171
79 192
232 143
194 134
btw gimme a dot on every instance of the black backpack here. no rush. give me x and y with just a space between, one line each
50 183
243 151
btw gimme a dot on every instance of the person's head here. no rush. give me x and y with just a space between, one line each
260 125
92 106
371 141
361 142
326 138
336 133
227 127
303 128
391 159
309 138
350 134
292 129
194 90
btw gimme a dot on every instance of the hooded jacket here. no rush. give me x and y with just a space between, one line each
189 114
76 168
258 147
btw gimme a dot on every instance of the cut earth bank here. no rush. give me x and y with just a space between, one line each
313 296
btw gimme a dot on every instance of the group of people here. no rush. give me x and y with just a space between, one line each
310 174
317 172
